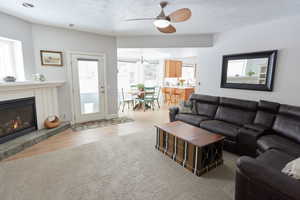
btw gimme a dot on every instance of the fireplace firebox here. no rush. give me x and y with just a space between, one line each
17 117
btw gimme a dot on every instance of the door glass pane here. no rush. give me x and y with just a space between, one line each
88 86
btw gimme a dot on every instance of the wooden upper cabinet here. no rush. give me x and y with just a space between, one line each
178 69
173 68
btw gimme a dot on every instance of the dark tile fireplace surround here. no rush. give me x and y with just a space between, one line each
17 117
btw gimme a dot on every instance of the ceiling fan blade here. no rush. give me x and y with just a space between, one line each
168 29
140 19
180 15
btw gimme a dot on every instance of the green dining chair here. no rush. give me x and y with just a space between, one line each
149 99
126 100
157 95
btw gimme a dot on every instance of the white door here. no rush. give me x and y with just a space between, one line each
88 87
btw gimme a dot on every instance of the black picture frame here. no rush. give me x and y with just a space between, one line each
268 86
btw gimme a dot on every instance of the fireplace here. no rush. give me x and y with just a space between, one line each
17 117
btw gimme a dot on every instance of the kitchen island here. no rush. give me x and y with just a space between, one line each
184 92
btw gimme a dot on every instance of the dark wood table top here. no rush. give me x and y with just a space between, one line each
192 134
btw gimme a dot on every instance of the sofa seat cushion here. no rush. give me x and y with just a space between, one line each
268 142
230 131
256 127
275 159
191 118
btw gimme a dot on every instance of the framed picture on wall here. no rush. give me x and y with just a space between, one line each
51 58
249 71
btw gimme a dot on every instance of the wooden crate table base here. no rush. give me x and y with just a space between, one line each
198 150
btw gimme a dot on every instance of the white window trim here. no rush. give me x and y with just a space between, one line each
16 59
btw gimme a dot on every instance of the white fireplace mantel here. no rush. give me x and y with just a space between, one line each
45 94
29 85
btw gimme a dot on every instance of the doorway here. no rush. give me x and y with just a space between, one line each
89 91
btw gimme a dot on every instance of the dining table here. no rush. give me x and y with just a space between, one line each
139 95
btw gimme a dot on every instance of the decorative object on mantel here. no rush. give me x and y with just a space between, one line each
39 77
51 58
52 122
101 123
9 79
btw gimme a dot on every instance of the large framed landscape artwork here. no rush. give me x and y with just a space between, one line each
51 58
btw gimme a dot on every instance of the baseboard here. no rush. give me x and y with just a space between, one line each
111 116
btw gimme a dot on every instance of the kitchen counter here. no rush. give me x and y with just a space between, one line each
179 87
183 91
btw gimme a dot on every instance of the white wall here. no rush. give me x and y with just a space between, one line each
58 39
165 41
37 37
17 29
280 34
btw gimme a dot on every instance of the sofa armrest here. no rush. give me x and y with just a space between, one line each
256 181
173 111
247 141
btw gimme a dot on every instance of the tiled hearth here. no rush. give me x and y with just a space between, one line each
20 143
24 106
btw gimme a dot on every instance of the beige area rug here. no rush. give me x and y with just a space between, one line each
115 168
101 123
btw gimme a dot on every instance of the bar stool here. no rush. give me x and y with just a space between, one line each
167 95
175 95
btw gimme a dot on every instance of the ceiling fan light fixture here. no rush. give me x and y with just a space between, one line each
161 23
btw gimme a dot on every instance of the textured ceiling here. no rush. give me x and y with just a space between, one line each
107 16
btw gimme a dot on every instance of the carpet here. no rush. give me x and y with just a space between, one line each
115 168
100 123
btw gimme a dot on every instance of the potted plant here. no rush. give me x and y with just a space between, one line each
141 86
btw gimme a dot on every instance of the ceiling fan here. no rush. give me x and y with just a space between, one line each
163 22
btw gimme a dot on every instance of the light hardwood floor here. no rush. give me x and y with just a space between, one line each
70 138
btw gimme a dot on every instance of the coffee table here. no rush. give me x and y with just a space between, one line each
194 148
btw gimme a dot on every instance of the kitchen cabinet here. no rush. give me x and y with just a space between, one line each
173 68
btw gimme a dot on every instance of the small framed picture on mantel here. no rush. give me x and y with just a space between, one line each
51 58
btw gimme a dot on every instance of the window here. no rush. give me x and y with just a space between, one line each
188 72
151 74
132 73
11 59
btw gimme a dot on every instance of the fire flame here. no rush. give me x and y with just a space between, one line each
15 124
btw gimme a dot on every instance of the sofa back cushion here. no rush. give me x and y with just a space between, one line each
287 122
268 106
205 105
236 111
266 113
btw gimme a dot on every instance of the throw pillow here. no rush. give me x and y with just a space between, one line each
185 107
293 169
